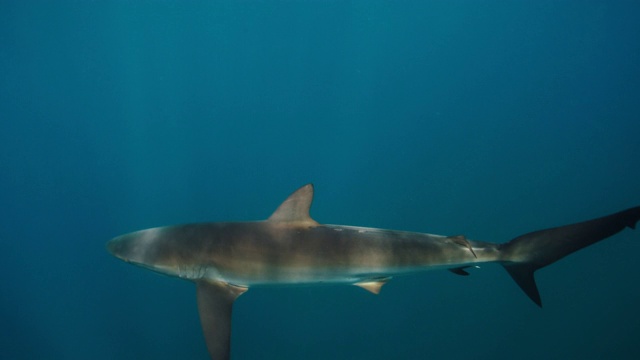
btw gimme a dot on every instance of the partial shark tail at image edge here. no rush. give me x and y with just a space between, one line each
522 256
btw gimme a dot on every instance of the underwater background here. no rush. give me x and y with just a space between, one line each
484 118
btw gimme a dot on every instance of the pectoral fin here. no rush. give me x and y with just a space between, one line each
215 302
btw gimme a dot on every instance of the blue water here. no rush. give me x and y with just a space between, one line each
483 118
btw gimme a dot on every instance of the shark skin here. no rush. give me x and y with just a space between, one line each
225 259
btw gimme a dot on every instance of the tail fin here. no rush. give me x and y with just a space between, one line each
525 254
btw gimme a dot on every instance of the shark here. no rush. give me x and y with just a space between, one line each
225 259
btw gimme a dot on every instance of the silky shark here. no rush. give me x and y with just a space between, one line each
225 259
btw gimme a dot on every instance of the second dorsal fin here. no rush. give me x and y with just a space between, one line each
295 209
462 241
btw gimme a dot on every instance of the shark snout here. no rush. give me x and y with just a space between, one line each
116 247
144 248
129 247
140 247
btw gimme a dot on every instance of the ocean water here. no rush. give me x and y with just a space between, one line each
484 118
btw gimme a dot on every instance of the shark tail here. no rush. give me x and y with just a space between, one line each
522 256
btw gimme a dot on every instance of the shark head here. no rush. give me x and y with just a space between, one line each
154 249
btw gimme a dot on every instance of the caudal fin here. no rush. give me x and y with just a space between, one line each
525 254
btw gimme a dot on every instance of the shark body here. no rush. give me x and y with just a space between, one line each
226 259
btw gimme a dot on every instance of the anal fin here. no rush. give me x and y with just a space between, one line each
215 303
460 271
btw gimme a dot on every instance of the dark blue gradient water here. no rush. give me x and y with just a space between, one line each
483 118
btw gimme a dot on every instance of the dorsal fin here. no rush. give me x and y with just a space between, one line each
296 208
